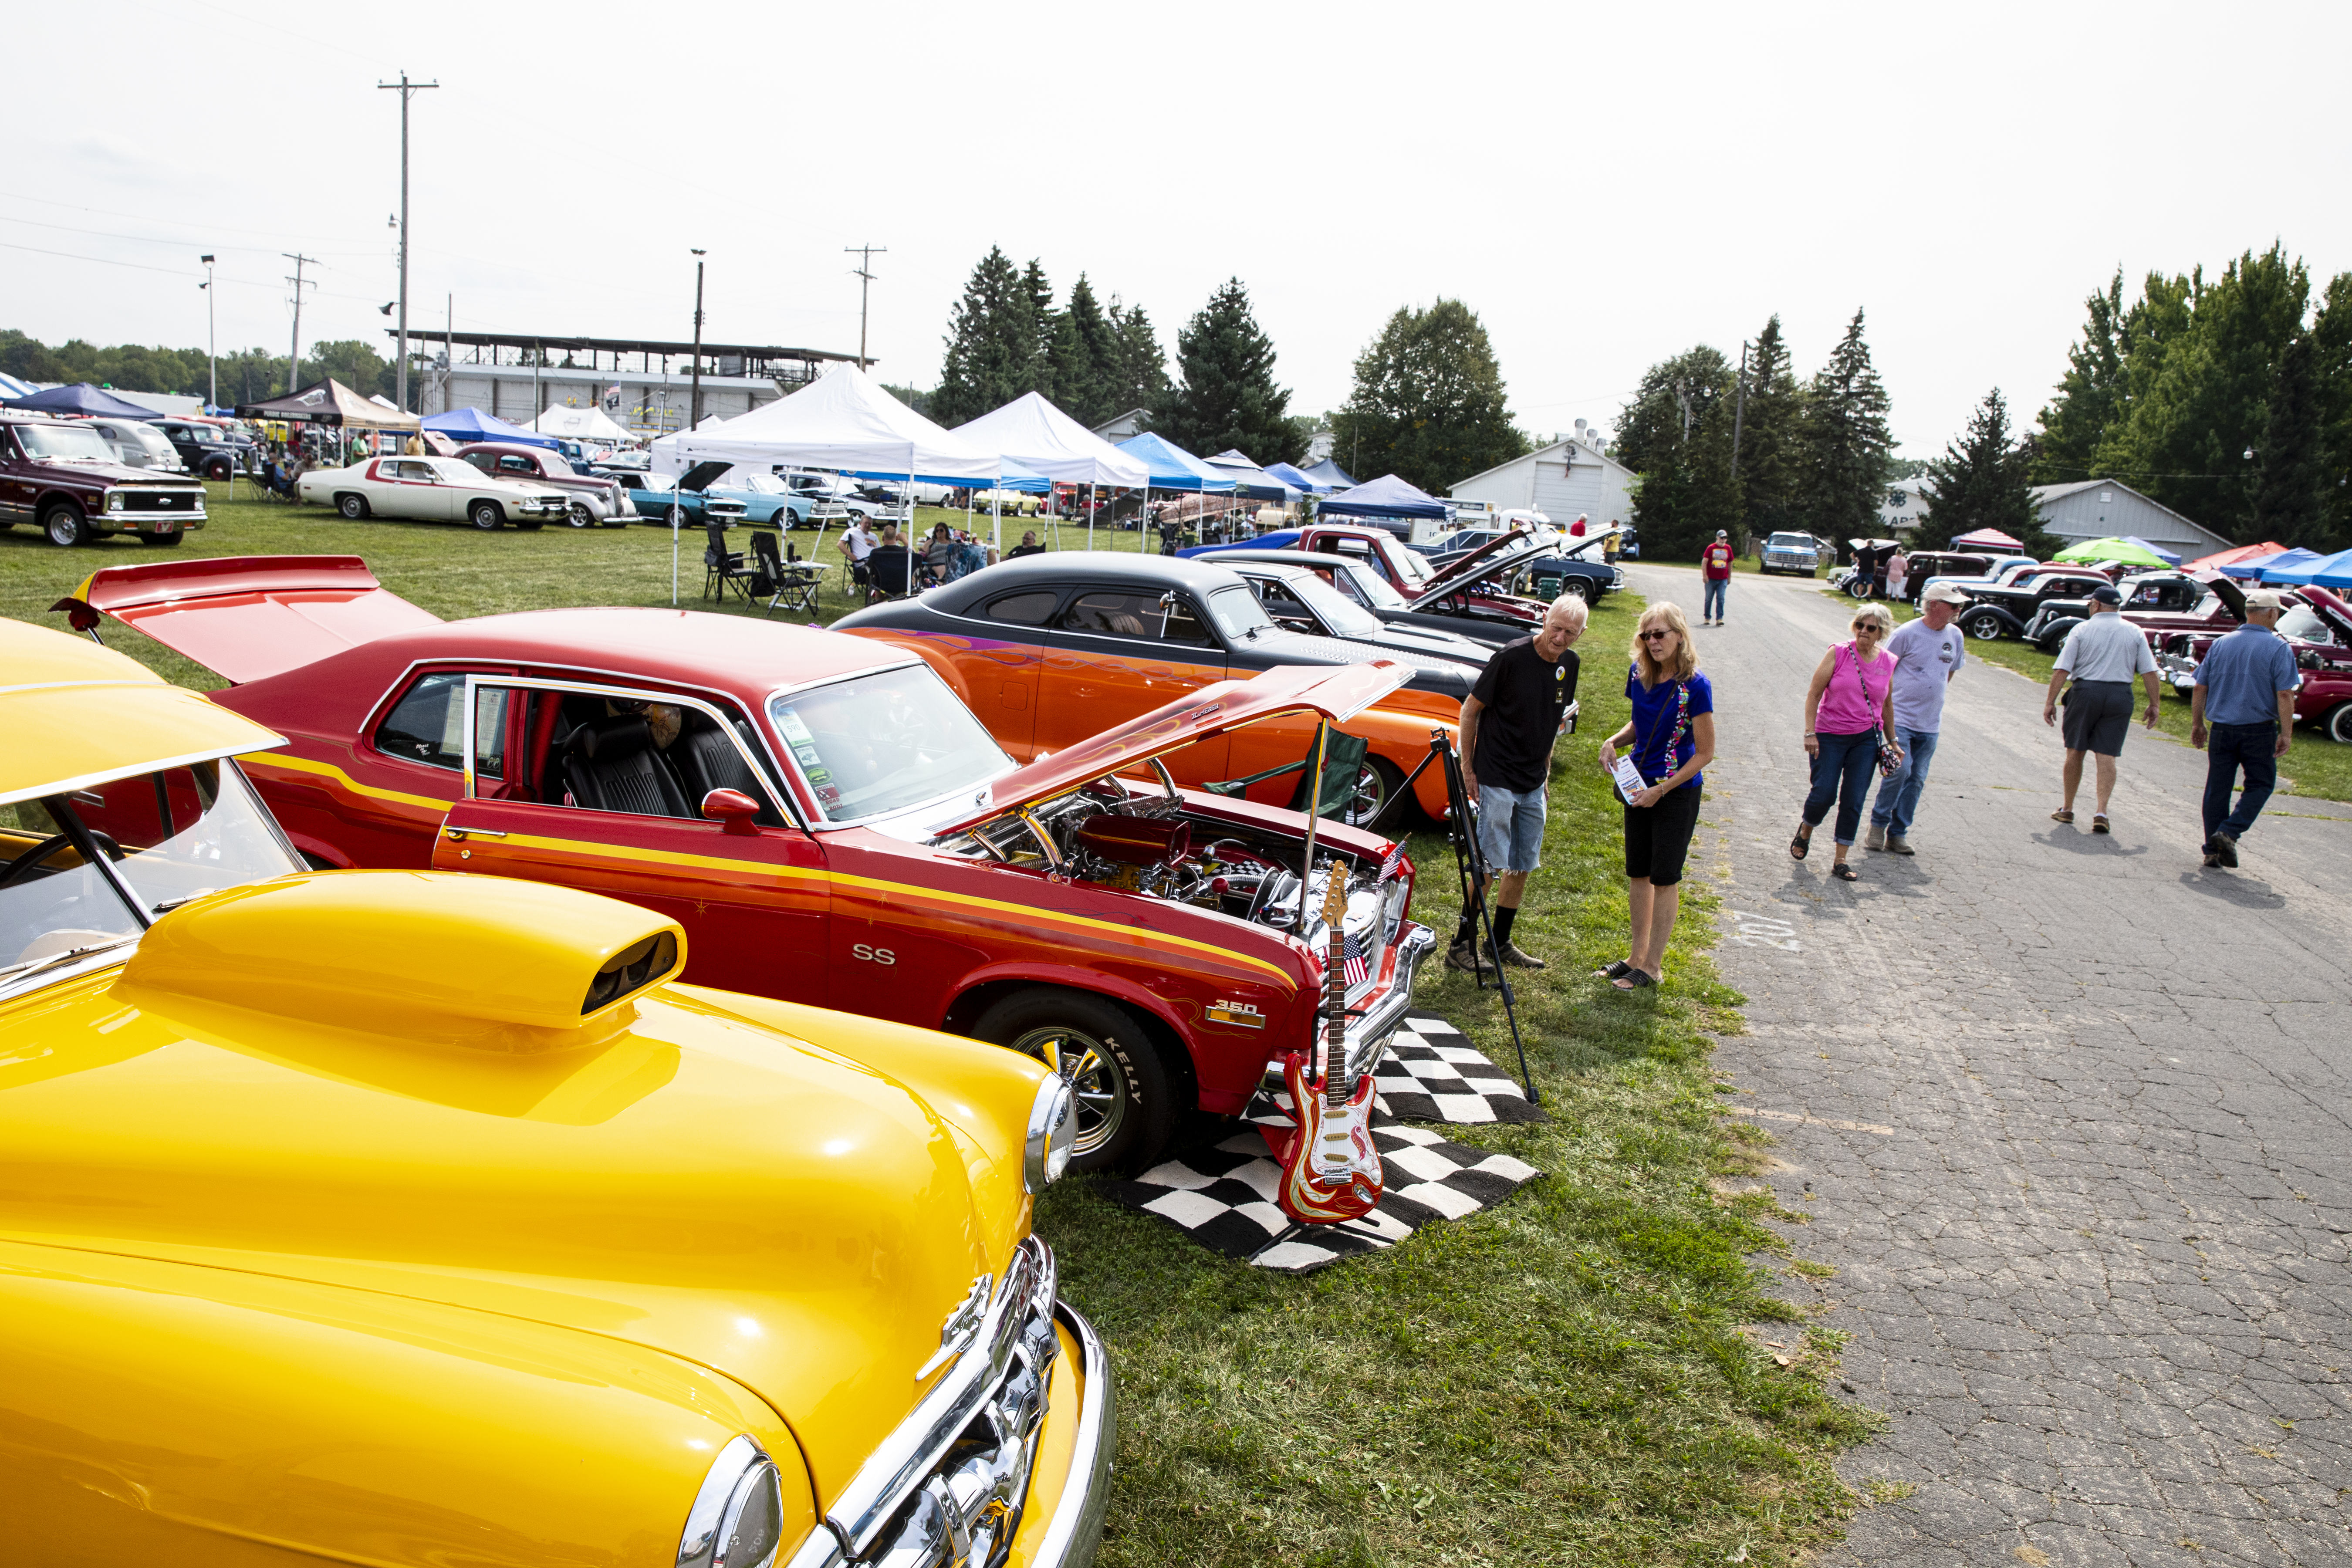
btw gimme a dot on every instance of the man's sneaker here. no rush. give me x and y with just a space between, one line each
1898 844
1463 957
1518 960
2227 849
2212 861
1875 839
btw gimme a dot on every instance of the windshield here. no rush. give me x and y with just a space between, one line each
78 443
758 484
1332 606
2303 626
1791 542
1238 613
1371 588
882 743
174 836
552 466
1405 563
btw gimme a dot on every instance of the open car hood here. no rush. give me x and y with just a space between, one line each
1337 695
702 476
2329 606
248 616
1495 555
2233 598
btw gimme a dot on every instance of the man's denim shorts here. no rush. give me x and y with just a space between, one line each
1510 828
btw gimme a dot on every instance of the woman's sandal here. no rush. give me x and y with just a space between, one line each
1845 873
1615 971
2099 823
1800 846
2062 816
1633 980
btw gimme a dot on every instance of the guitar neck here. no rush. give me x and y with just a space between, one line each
1335 1005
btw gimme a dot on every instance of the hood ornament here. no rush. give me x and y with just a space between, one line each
961 1328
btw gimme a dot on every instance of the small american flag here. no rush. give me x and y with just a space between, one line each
1356 958
1394 865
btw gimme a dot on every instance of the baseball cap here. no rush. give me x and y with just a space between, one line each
2106 594
2264 599
1722 533
1943 594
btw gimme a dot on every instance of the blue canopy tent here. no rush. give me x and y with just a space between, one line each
81 397
11 387
2252 567
1250 481
2321 570
1327 472
1299 480
473 424
1386 496
1172 468
2169 557
2260 568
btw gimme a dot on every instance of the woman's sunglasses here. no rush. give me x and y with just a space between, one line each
1869 626
1660 635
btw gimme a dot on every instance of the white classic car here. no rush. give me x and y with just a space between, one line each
432 489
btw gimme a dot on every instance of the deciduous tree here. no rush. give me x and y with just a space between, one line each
2291 497
1677 435
1428 404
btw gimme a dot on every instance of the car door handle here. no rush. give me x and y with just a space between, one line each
459 835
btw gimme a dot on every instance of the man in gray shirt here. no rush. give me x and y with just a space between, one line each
2103 655
1927 654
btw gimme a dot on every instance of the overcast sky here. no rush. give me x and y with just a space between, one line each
1604 185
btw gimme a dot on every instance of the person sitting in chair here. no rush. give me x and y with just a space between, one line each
938 554
1028 546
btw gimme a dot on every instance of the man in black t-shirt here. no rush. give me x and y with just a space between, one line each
1510 722
1028 546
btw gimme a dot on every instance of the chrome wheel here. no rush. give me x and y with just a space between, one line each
2339 723
1094 1078
581 515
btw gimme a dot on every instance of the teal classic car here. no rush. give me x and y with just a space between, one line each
767 501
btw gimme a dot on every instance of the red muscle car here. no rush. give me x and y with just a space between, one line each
823 815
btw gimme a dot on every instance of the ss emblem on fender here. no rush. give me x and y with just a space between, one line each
867 954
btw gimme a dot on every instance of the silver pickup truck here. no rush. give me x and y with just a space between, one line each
1799 552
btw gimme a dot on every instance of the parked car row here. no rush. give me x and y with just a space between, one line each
2317 625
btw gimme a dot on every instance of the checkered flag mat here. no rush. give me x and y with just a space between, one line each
1222 1197
1433 1073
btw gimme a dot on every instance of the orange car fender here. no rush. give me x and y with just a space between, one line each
1402 739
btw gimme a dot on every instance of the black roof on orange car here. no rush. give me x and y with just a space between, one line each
1109 569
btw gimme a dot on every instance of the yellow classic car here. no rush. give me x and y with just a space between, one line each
411 1219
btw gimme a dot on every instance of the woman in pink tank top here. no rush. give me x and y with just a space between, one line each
1849 708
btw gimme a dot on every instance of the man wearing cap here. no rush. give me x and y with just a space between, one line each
1714 566
2103 655
2243 702
1927 653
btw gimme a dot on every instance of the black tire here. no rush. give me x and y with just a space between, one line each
218 468
1984 628
530 524
2339 723
485 515
1126 1102
164 540
580 514
354 507
1858 588
63 523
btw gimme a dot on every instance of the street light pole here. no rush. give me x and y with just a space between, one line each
866 254
406 90
694 404
212 337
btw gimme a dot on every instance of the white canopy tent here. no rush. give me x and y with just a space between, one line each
590 424
1033 433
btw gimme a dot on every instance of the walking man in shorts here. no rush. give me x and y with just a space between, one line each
2104 654
1510 722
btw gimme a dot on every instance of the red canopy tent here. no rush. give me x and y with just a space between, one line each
2220 559
1987 539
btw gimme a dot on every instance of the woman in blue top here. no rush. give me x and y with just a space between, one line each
1669 739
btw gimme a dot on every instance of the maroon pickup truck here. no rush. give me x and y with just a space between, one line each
596 501
61 474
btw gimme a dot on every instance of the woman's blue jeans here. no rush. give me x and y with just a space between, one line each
1842 775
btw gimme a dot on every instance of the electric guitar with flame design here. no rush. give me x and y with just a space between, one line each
1330 1172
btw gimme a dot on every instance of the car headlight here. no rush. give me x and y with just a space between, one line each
1053 1127
737 1516
114 501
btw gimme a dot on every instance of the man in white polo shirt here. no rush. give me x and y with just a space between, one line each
2103 655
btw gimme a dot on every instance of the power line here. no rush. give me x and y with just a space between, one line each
174 271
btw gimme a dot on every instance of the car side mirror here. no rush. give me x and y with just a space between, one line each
737 812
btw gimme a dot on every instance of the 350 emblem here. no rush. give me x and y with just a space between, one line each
868 955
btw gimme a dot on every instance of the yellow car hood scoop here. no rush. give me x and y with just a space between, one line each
486 961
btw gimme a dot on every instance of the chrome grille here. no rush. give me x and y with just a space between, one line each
186 503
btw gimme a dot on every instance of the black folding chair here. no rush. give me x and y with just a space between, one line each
723 568
1350 788
783 577
889 574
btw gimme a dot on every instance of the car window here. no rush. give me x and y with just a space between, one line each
1369 588
884 742
1274 596
1029 607
1333 608
514 465
2301 624
480 460
428 725
1119 613
1237 613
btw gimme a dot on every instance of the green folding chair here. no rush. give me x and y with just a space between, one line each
1343 779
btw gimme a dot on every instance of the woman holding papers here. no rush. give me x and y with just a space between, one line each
1669 739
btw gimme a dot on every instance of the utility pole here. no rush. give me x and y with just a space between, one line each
212 359
694 404
406 88
294 354
866 254
1739 410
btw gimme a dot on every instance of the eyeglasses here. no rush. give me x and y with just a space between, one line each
1660 635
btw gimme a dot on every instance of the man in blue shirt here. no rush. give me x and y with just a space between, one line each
2243 702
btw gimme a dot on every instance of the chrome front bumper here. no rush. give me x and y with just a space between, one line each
1368 1036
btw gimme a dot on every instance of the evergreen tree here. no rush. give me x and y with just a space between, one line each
1981 482
1677 435
2290 501
992 344
1429 404
1843 444
2331 344
1088 382
1227 396
2091 392
1140 378
1769 435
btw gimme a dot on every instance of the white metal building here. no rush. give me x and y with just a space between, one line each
1569 479
2101 509
1904 504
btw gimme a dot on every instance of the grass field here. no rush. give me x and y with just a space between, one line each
1587 1373
2315 766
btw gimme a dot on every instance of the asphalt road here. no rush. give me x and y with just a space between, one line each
2071 1116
